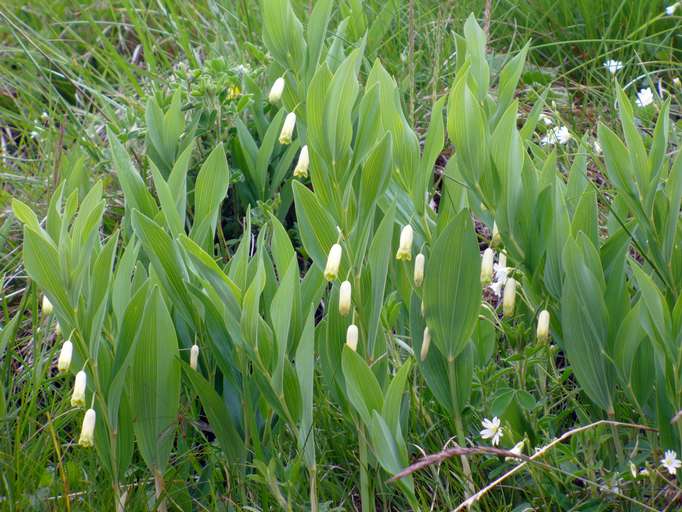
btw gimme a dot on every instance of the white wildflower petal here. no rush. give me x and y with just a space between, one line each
645 97
613 66
671 462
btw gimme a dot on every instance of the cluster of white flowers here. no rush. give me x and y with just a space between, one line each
557 135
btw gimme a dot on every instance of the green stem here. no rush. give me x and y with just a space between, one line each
616 440
313 488
365 495
459 426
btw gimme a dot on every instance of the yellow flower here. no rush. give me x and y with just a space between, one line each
352 337
194 356
233 92
405 248
87 438
345 298
487 266
301 169
65 356
287 128
426 343
419 270
543 326
509 298
333 263
47 306
276 90
78 396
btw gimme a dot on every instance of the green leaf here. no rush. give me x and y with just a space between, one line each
316 227
155 384
218 416
452 287
362 388
209 192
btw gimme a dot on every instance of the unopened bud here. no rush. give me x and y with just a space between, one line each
331 270
57 329
502 259
426 343
543 326
496 240
65 356
78 396
344 298
46 306
509 298
301 169
194 356
677 83
276 90
487 266
87 438
352 337
419 270
405 248
287 128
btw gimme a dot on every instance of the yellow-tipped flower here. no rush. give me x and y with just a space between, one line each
331 270
87 438
276 90
344 298
543 326
419 270
287 128
194 356
405 248
65 356
46 306
509 298
487 266
301 169
352 337
78 396
496 240
426 343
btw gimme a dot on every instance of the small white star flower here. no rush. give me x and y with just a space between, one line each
671 462
546 119
557 135
645 97
492 430
670 10
613 66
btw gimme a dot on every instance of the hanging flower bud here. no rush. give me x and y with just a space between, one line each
65 356
57 329
87 438
287 128
276 90
543 326
426 343
352 337
419 270
509 298
333 263
405 248
496 240
301 169
46 306
194 356
344 298
487 266
78 396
